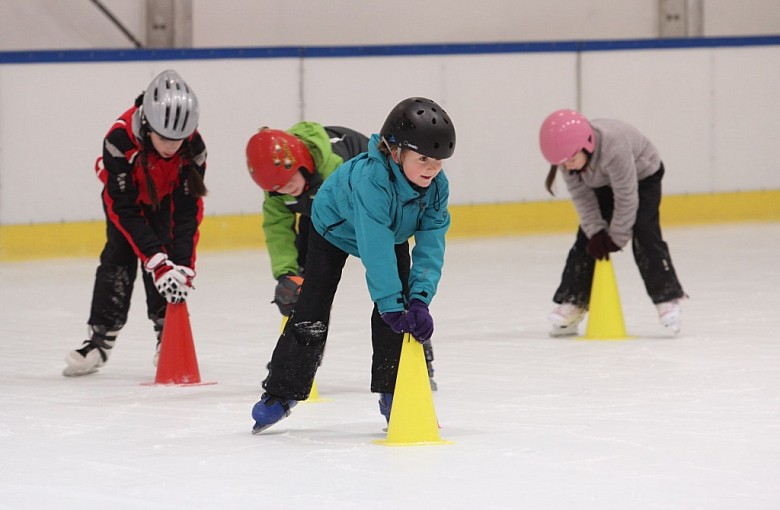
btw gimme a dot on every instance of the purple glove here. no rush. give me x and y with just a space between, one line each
398 321
417 321
600 245
421 321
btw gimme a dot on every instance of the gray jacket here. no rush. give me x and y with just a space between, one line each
621 158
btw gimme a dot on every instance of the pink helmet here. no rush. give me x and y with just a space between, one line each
563 134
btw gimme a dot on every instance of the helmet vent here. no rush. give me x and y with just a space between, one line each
422 125
170 106
176 118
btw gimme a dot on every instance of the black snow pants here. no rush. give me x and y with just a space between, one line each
300 347
651 252
116 274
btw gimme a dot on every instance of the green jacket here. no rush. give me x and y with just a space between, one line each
330 146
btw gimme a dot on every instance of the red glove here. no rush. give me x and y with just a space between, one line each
600 245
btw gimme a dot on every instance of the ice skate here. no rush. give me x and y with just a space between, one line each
158 328
156 358
386 405
270 410
669 313
428 350
565 319
92 355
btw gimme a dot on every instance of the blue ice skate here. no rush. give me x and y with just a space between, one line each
270 410
386 405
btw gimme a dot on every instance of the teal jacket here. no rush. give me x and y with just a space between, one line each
367 206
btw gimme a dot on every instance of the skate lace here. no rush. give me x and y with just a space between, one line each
95 343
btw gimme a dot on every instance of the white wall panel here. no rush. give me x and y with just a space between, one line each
667 94
237 97
746 116
709 111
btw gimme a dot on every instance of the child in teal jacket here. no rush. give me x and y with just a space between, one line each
369 208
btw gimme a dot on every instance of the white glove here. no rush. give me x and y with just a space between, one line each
173 282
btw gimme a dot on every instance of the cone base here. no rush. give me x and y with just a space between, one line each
606 338
153 383
385 442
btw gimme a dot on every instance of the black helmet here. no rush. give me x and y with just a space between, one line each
421 125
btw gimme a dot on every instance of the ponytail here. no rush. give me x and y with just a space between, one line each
194 183
550 180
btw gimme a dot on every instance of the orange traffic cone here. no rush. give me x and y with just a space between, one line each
412 419
178 363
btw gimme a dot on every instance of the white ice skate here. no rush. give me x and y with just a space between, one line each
565 319
669 313
92 355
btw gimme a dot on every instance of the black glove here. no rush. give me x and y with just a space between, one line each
286 294
600 245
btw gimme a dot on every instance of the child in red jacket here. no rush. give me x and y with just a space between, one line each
152 170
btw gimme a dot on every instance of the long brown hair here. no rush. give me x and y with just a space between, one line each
550 180
194 182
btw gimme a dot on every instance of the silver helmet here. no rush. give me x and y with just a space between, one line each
170 106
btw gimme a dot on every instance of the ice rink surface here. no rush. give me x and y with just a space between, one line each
651 422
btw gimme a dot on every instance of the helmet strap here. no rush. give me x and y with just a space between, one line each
397 156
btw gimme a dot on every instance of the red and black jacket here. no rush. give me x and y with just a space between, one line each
127 200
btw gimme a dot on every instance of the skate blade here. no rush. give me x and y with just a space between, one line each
78 372
674 327
257 429
564 331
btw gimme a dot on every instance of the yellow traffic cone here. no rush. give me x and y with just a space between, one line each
605 315
314 394
412 419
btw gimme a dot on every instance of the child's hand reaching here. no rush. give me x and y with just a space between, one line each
417 321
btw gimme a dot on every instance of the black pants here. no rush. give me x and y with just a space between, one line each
302 241
651 252
116 274
299 349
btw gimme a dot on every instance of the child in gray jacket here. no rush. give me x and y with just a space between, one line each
613 173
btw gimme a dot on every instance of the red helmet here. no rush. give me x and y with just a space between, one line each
273 157
563 134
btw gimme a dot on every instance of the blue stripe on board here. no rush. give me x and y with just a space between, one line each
129 55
